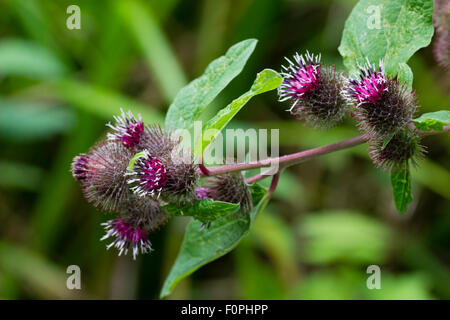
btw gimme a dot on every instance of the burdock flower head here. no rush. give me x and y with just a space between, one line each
134 134
314 89
128 129
383 105
402 148
126 236
148 175
229 187
101 173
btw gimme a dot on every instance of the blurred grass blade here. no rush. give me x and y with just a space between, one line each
29 59
102 102
344 236
20 176
150 38
433 176
192 100
34 272
28 121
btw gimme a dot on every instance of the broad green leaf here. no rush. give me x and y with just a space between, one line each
205 210
28 59
392 30
192 100
202 246
401 188
265 81
433 120
405 74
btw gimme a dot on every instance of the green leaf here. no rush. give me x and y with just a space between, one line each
405 74
202 246
28 59
192 100
433 120
401 188
265 81
205 210
404 27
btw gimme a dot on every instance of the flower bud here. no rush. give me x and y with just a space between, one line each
126 236
315 91
229 187
402 148
383 105
101 173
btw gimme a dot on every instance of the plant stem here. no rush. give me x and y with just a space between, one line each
273 185
295 158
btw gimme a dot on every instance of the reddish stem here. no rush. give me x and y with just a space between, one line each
295 158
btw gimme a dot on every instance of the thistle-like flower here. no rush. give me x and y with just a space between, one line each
101 173
135 135
314 89
80 167
126 236
402 148
441 19
145 212
128 129
229 187
148 176
202 193
383 105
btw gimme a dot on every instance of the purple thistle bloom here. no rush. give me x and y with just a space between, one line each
80 168
128 129
315 91
126 236
299 78
202 193
150 175
383 105
370 87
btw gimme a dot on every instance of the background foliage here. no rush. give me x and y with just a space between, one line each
328 220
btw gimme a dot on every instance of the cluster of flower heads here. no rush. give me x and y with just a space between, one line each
381 104
132 173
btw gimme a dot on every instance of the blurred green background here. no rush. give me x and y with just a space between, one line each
328 220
